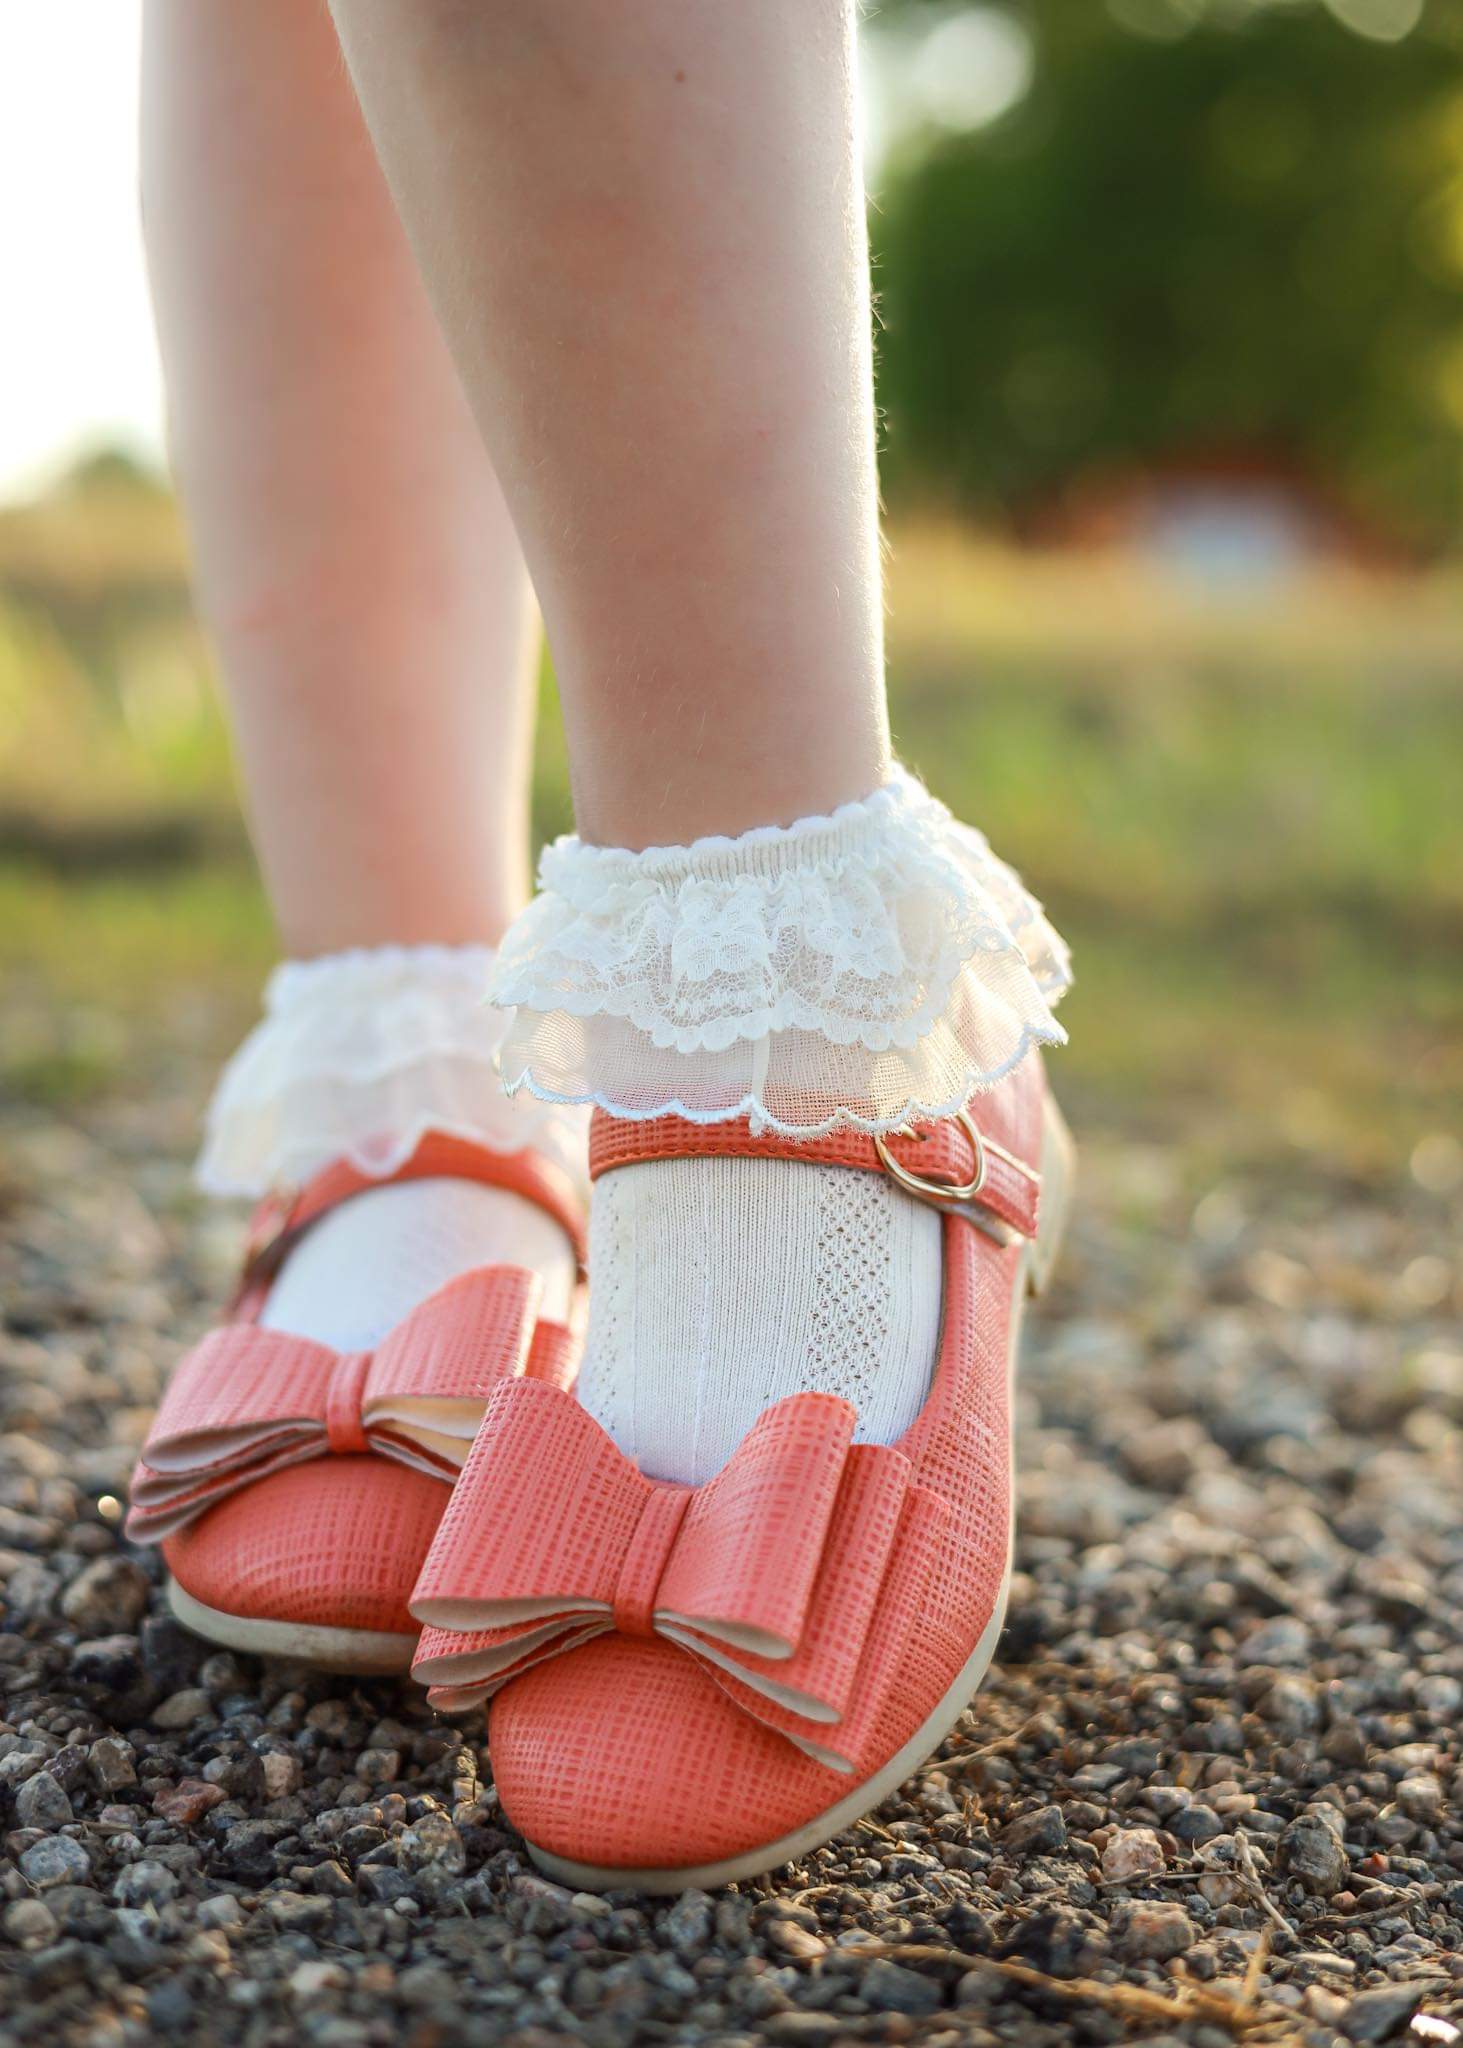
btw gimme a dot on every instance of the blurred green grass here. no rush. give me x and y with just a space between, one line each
1241 809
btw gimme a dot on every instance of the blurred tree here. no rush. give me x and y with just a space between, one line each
1232 227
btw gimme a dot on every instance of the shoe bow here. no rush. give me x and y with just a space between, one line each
247 1401
793 1577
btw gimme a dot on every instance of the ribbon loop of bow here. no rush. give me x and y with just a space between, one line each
792 1577
248 1401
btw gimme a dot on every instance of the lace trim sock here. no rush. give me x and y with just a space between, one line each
358 1056
864 968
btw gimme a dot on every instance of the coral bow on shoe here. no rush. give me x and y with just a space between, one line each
294 1488
793 1576
248 1401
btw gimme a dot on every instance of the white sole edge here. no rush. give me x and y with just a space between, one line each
354 1652
1057 1166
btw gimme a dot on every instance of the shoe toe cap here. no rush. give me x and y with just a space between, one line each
334 1543
625 1757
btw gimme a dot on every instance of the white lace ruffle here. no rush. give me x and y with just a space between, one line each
357 1057
863 968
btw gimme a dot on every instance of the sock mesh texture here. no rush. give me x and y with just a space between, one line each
721 1285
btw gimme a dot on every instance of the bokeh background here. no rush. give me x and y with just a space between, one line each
1171 363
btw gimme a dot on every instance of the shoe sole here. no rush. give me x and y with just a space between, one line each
353 1652
1058 1163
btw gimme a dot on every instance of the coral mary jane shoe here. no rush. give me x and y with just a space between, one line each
692 1685
295 1489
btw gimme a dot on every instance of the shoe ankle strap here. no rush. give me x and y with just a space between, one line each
282 1219
956 1165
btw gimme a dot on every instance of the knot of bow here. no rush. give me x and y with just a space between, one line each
792 1577
248 1401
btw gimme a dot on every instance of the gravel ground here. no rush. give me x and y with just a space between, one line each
1212 1792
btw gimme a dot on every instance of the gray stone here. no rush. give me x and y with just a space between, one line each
889 1987
1373 2015
1196 1824
110 1593
40 1803
222 1910
1311 1851
112 1764
433 1841
145 1883
378 1766
689 1922
1038 1833
1291 1706
1283 1641
113 1662
59 1859
299 1910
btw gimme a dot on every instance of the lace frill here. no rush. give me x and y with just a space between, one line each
358 1056
863 968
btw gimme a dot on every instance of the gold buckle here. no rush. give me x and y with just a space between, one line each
942 1194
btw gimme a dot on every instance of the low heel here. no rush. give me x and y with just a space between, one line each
1058 1172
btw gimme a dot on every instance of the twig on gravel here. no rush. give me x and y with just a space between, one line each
1244 2014
963 1757
1254 1885
814 1891
1250 1989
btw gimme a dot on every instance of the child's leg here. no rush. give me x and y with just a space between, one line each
365 591
643 230
356 566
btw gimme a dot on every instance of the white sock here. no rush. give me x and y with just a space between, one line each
720 1285
359 1056
365 1265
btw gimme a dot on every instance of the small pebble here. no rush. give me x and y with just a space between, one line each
57 1860
1377 2014
889 1987
1038 1833
1151 1930
111 1762
283 1774
1132 1855
40 1803
182 1709
109 1593
1312 1851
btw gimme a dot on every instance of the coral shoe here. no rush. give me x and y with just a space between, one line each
692 1685
295 1489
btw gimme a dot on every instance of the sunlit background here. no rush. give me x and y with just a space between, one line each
1171 367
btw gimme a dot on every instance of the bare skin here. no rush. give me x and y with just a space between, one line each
356 564
642 230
